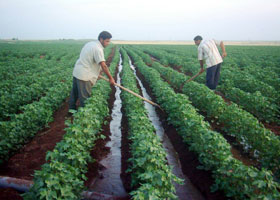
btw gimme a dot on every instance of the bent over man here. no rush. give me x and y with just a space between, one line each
208 51
88 68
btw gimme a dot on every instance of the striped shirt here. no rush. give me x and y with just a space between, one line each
87 67
208 51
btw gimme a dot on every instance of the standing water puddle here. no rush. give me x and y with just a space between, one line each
110 181
186 191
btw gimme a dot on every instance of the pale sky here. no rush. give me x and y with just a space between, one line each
141 19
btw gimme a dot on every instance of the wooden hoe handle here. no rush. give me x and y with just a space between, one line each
131 92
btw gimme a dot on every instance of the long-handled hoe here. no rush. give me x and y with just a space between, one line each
131 92
189 80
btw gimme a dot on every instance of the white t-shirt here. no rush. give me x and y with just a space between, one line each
87 67
208 51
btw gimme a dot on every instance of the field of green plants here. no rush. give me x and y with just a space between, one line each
233 134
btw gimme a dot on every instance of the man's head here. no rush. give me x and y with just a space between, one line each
105 38
197 39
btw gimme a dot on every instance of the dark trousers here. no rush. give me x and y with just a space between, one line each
213 76
80 90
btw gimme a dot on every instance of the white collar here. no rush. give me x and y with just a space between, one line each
99 43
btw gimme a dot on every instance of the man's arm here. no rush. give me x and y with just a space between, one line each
106 70
200 58
201 66
223 49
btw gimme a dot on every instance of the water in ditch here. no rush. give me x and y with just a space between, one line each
186 191
110 182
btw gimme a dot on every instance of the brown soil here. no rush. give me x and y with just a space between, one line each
177 68
153 58
237 149
97 153
9 193
189 74
223 96
273 127
200 178
30 158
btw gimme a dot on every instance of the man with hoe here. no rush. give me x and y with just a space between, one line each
208 51
88 68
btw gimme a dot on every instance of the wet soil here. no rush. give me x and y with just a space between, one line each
187 190
110 182
100 150
97 153
126 154
201 179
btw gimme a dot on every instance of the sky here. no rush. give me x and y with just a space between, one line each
235 20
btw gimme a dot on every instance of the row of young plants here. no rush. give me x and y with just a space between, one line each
249 78
261 62
63 176
260 106
255 103
263 57
24 94
38 68
237 180
43 50
22 127
264 108
151 175
249 83
11 67
236 122
267 75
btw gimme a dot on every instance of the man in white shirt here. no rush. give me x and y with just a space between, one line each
208 51
88 68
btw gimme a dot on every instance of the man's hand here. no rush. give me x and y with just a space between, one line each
112 81
223 49
201 70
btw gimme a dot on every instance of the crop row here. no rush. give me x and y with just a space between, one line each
151 174
64 175
37 68
237 180
235 121
262 107
24 94
250 78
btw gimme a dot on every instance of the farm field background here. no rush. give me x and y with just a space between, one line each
214 145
